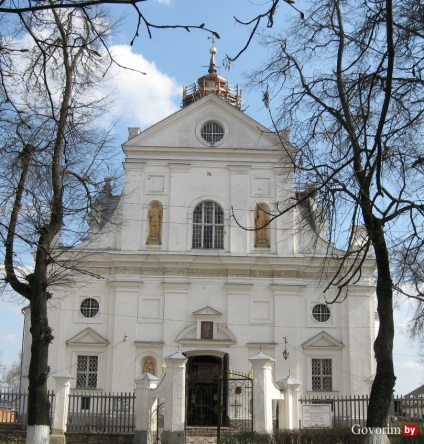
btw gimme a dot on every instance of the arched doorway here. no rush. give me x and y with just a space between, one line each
206 393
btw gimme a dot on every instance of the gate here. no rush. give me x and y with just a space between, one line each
218 404
156 422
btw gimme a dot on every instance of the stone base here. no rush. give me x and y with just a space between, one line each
140 437
173 437
375 438
57 439
153 239
262 243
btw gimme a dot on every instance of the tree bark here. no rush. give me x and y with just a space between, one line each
384 382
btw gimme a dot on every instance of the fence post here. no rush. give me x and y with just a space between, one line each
172 389
143 406
61 404
289 414
264 391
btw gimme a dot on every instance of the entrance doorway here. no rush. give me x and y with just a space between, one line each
218 402
205 392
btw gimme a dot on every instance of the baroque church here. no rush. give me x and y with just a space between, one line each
188 258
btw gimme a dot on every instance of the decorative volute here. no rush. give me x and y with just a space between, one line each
212 83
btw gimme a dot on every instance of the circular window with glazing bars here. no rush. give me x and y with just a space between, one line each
89 307
321 313
212 132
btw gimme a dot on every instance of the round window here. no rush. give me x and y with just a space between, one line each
212 132
89 307
321 313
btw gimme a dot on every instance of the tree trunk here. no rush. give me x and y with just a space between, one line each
38 431
384 382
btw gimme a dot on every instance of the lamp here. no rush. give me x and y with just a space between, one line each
285 352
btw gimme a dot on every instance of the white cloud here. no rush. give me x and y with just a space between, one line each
10 337
142 99
412 365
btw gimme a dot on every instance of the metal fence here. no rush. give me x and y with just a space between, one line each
14 409
349 410
217 405
156 422
101 412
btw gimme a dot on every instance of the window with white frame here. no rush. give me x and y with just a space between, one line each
87 367
322 375
208 225
212 132
321 312
89 307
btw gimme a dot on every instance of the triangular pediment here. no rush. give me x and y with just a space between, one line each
322 340
222 336
88 337
209 311
179 129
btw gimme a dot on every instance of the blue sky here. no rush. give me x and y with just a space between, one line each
173 58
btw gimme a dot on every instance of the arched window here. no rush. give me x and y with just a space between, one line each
208 225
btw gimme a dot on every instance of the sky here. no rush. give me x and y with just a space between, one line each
173 58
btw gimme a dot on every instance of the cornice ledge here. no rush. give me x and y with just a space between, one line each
206 342
175 286
239 169
287 288
216 152
149 343
238 287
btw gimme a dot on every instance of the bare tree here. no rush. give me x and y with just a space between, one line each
53 159
8 7
409 283
347 79
10 377
53 55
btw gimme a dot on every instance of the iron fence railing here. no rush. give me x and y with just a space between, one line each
346 411
156 422
101 412
14 409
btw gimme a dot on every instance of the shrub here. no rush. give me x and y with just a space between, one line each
302 436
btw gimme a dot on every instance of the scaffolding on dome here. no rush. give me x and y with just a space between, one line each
230 93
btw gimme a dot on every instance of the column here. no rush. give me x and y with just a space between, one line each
132 228
239 198
289 407
172 389
264 391
61 404
143 406
179 234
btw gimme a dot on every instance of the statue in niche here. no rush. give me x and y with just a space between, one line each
155 223
149 366
261 221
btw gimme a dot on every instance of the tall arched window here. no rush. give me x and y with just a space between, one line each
208 225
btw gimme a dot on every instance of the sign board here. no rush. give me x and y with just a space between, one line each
316 415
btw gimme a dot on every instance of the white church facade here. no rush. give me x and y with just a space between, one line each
174 263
